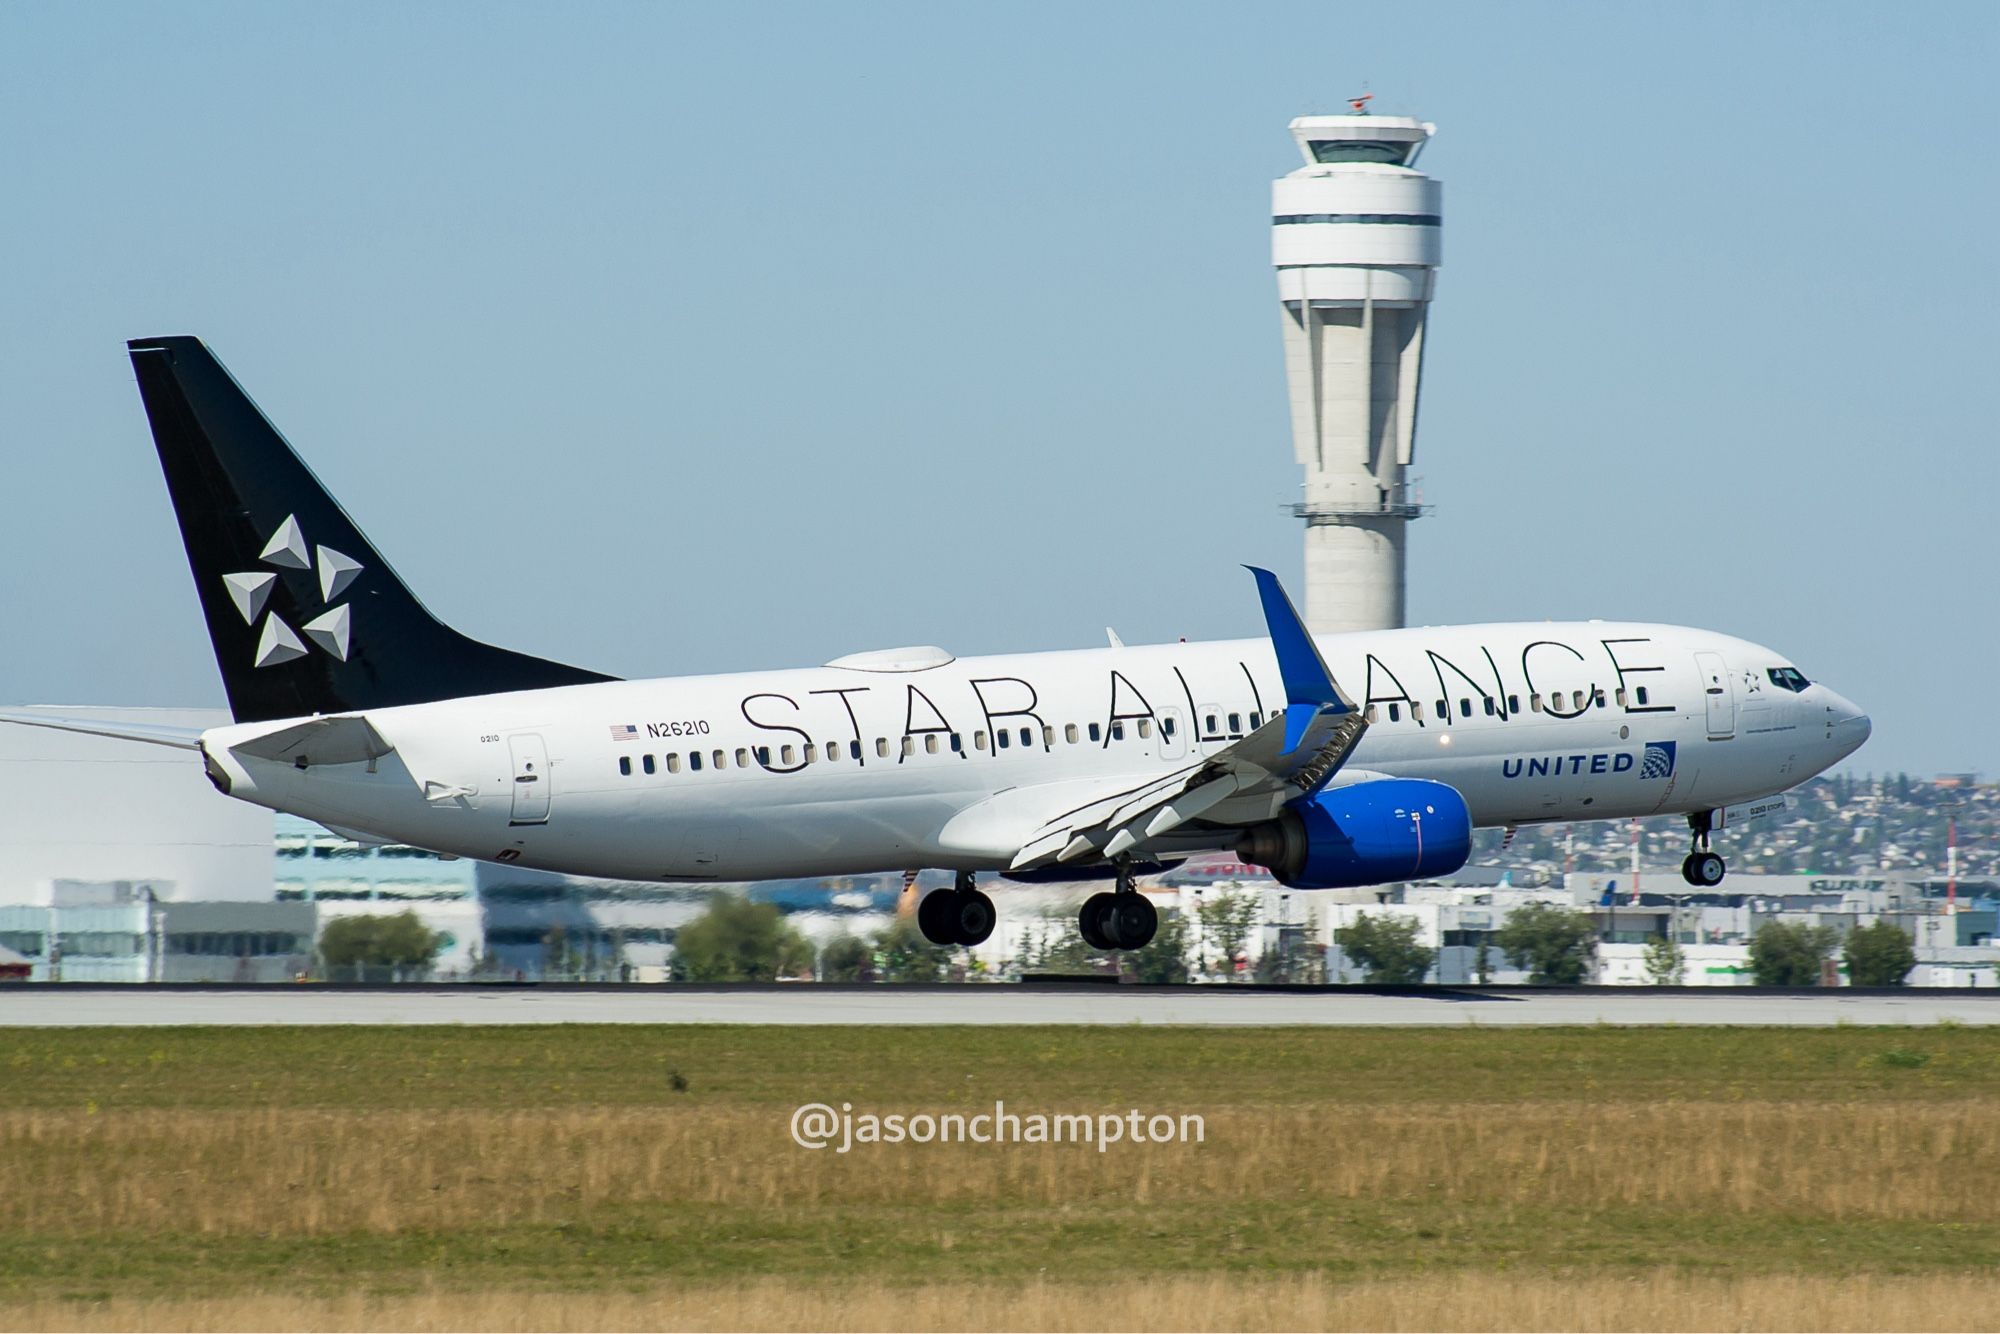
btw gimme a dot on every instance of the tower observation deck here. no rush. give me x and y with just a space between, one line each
1356 240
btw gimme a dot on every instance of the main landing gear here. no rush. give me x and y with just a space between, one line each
1703 868
960 915
1122 920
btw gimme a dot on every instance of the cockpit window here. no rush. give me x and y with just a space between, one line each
1788 678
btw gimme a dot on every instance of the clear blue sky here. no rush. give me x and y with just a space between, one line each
668 339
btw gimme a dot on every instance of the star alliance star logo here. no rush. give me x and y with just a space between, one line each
277 642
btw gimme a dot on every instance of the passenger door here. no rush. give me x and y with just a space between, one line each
1720 692
531 779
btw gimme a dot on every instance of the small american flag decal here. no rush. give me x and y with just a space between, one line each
624 732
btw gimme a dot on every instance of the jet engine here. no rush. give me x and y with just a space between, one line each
1364 834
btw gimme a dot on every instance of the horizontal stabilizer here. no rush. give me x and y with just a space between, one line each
348 740
151 734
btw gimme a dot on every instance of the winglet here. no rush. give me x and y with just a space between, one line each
1309 687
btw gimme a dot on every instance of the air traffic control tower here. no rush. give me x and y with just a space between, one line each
1355 237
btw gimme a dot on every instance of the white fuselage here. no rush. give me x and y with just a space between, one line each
910 761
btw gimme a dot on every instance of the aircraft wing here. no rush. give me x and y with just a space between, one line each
1292 755
152 734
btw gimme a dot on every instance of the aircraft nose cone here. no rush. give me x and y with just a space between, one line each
1846 725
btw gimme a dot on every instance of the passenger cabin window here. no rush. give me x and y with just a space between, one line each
1444 709
1576 700
1096 733
673 761
1210 724
854 750
694 758
1027 736
1235 723
1048 735
1395 713
1641 692
1513 703
930 743
721 758
646 763
1490 710
1464 707
979 741
1535 702
1145 728
1619 696
1416 711
786 753
743 757
957 744
763 757
1004 737
1371 713
1597 696
1118 730
625 765
909 746
1788 678
881 748
1069 733
1256 720
833 750
1166 727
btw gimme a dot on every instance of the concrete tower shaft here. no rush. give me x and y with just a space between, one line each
1355 238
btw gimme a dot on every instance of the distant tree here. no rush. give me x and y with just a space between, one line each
1555 944
1385 946
1226 920
1789 954
362 943
905 955
1165 958
1666 962
739 941
1055 947
1881 955
846 959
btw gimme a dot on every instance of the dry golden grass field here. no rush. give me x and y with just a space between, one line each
594 1178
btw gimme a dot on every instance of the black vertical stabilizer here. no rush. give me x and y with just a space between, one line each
305 615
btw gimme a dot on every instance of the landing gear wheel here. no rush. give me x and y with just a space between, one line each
937 916
1131 921
1090 923
975 917
1704 870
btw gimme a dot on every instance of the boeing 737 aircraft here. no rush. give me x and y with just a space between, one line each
1356 759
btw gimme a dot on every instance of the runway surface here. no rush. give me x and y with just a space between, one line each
46 1007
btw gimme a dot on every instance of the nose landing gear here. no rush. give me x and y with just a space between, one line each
1702 868
1123 920
960 915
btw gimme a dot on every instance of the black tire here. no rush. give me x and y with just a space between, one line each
1131 921
976 918
1090 922
1709 869
937 916
1688 871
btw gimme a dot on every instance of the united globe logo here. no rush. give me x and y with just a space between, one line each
1658 760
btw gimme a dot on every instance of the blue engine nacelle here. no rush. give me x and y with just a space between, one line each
1364 834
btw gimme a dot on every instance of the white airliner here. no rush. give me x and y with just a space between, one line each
356 708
